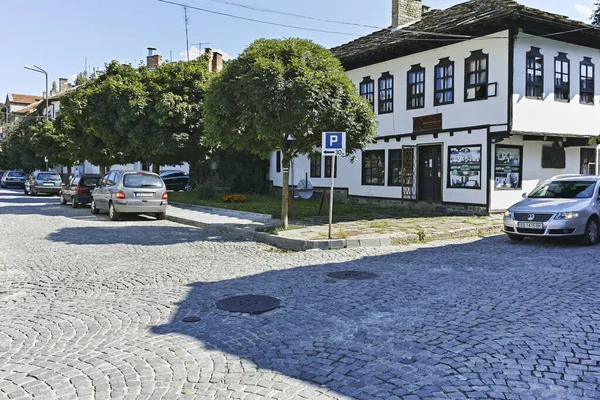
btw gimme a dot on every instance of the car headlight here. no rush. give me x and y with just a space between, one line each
508 214
567 215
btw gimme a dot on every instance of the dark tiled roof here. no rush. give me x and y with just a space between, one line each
472 18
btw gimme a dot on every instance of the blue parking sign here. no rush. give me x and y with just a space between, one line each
334 143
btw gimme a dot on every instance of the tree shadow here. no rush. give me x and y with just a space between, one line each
438 321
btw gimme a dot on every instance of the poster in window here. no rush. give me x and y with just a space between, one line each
507 171
464 167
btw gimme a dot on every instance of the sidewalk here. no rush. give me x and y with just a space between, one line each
363 233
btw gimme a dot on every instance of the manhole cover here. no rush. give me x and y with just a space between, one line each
352 275
191 319
253 304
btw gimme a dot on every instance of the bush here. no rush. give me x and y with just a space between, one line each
234 198
206 192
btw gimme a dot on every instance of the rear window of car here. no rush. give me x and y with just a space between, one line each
142 180
48 176
16 174
90 180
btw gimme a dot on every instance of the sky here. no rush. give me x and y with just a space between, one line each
58 36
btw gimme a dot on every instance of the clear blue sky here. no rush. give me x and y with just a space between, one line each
59 35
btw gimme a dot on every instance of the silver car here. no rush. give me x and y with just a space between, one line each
135 192
559 207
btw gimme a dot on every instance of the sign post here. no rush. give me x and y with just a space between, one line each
333 145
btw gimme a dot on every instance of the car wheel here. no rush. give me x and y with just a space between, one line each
93 207
74 202
188 187
515 238
63 201
112 213
590 235
161 216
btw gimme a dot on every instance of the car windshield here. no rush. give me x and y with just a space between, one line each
48 176
564 190
16 174
142 180
89 181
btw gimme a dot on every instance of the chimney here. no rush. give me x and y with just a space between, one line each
153 60
63 86
208 51
217 62
405 12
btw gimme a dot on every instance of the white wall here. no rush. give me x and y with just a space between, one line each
548 115
460 114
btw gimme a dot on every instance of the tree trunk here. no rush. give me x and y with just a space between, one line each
156 168
102 169
285 163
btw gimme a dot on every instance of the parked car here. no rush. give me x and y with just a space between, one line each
136 192
13 179
79 190
43 182
560 207
176 180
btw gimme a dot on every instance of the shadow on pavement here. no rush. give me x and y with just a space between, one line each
465 319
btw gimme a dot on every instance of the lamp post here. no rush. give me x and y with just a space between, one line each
41 71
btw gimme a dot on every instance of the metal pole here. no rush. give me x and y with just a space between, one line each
331 195
45 73
187 45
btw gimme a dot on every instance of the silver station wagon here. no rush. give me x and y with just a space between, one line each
559 207
134 192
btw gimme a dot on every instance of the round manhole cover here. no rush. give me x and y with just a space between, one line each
191 319
352 275
253 304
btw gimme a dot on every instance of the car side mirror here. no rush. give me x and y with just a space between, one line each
524 195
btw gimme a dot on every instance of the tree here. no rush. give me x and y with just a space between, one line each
596 14
281 95
18 151
53 90
48 141
81 78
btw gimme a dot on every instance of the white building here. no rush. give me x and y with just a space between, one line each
476 104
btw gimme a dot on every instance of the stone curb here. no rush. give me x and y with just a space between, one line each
294 244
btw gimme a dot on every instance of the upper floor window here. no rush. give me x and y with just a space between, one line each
444 82
315 166
586 81
415 97
562 89
534 87
476 76
386 93
367 90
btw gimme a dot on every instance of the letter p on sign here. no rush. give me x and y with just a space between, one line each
334 143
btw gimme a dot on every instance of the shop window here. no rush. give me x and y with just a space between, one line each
444 82
535 74
415 97
476 76
464 167
395 167
586 81
315 166
553 156
386 93
562 90
373 167
367 91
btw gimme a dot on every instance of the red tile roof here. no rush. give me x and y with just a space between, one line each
25 98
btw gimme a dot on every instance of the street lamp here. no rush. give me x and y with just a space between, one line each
41 71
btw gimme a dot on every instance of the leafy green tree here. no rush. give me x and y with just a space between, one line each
81 78
596 14
53 90
48 141
18 151
243 171
281 95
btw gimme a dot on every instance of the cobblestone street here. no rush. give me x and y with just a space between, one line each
93 309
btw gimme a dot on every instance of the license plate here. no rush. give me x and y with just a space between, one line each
144 195
48 184
531 225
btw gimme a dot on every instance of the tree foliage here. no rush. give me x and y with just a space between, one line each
596 14
18 150
282 94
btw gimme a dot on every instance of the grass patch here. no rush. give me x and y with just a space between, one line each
278 229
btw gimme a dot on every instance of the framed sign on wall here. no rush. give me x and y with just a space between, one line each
508 167
464 167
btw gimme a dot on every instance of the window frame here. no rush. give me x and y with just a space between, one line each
412 88
365 93
386 77
590 87
477 57
562 87
444 64
364 169
315 166
394 160
534 54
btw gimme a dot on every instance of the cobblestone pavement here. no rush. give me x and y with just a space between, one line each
93 309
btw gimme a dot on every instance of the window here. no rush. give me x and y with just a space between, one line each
395 168
586 81
315 166
476 76
373 171
386 93
415 95
444 82
534 87
278 161
328 162
562 90
367 90
142 180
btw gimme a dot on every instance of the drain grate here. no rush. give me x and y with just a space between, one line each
252 304
191 319
352 275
